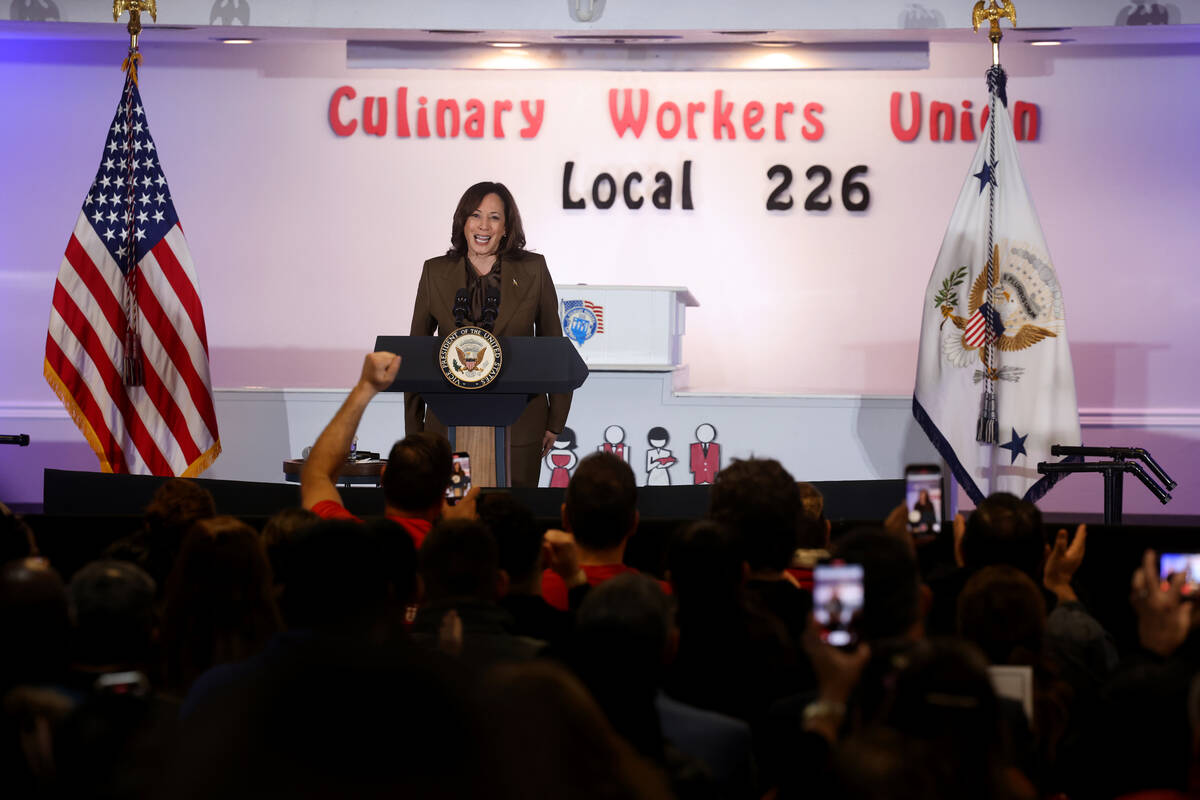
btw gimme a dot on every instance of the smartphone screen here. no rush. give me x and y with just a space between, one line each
1188 563
460 477
838 601
923 498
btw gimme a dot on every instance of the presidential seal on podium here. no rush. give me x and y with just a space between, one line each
470 358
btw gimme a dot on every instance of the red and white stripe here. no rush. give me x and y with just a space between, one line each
976 331
167 426
599 312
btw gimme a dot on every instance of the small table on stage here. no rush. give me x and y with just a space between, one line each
353 473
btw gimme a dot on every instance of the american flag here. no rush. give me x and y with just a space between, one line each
598 310
127 245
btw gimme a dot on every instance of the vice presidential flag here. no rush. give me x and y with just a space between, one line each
127 351
994 336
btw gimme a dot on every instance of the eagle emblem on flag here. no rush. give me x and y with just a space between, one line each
1025 307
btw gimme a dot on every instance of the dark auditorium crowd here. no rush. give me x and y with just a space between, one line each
465 651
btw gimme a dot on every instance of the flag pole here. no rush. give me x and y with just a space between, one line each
987 429
993 14
131 372
135 9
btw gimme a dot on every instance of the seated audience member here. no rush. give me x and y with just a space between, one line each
34 630
279 533
176 505
759 502
115 740
416 474
1002 530
624 637
732 658
349 579
1143 747
348 582
578 754
112 604
879 763
520 545
34 623
16 537
341 717
891 619
812 535
463 582
894 599
939 713
1007 530
220 606
600 512
1003 613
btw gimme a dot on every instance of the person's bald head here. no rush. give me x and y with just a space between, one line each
34 622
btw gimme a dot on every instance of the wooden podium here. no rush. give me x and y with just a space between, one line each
478 419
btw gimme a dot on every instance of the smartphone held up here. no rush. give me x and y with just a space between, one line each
460 478
923 499
1171 564
838 601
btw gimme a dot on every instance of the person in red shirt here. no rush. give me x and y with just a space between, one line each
416 474
599 516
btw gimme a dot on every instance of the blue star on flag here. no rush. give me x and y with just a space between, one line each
986 175
1016 446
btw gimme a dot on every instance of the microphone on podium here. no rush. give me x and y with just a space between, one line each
461 307
491 306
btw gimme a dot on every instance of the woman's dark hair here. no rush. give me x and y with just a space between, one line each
219 603
1001 610
513 242
658 434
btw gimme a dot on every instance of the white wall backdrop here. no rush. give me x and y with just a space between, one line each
309 244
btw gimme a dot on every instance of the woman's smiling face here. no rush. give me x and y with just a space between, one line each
485 226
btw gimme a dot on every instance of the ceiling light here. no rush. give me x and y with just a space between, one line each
1045 43
238 41
507 44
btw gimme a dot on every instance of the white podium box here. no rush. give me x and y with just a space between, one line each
629 328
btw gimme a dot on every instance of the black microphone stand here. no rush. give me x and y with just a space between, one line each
20 439
491 307
461 308
1114 473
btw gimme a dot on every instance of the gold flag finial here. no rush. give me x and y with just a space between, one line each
993 14
135 9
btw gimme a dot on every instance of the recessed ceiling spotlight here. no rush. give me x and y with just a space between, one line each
507 44
618 38
766 43
1046 42
238 41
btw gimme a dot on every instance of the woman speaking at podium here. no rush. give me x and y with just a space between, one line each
488 253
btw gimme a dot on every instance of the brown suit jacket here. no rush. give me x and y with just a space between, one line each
528 307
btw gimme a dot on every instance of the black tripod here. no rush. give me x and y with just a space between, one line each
1114 473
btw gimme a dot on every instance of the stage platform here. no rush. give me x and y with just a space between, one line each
79 492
